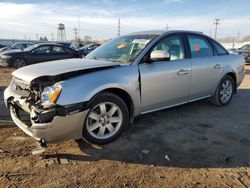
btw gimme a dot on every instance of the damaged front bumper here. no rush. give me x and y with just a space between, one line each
49 126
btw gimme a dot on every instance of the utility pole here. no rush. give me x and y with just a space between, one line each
79 33
75 31
36 36
238 37
52 36
167 27
119 28
216 22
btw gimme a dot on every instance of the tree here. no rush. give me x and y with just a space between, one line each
246 38
87 38
43 39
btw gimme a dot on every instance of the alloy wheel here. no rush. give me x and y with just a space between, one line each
104 120
19 63
226 91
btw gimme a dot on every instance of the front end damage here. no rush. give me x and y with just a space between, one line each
51 123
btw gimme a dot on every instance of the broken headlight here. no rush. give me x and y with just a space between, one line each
50 94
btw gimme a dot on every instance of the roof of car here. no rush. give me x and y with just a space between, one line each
23 43
159 32
49 43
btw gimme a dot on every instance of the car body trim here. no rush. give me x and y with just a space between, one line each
174 105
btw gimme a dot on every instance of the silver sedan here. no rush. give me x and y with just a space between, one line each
98 96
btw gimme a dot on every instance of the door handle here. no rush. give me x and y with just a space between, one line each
217 66
182 72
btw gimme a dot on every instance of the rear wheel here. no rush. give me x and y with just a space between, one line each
106 120
18 63
224 91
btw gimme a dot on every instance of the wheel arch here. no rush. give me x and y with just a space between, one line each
233 76
15 58
124 95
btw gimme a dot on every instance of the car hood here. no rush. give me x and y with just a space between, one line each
54 68
12 52
3 49
242 51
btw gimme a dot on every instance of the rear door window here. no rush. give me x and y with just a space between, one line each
58 49
199 46
219 49
43 50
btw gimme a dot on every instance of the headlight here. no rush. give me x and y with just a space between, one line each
51 94
5 56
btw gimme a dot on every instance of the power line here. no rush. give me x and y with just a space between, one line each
216 22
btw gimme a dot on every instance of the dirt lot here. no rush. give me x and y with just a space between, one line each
194 145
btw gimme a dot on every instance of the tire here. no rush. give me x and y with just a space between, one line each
108 117
18 63
223 94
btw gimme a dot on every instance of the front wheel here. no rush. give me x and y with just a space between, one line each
106 120
18 63
224 91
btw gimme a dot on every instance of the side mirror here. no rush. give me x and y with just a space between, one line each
159 55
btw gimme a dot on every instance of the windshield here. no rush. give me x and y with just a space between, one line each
122 49
246 47
31 47
85 47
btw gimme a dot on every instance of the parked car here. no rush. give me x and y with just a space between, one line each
67 44
37 53
245 51
96 97
85 50
2 46
16 46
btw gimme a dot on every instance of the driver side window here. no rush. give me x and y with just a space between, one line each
42 50
173 45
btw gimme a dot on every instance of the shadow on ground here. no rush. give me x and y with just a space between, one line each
4 114
192 136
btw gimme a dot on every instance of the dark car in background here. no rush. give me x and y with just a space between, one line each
67 44
37 53
16 46
2 46
85 50
245 51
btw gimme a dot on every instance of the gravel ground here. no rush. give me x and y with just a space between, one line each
194 145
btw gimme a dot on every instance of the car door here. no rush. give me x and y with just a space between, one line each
40 54
206 67
165 82
59 52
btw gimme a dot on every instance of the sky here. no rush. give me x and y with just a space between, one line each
99 18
